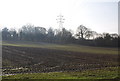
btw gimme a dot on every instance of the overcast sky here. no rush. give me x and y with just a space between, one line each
98 15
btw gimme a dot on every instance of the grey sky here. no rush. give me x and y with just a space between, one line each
99 15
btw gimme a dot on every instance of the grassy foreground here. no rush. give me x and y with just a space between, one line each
104 73
68 47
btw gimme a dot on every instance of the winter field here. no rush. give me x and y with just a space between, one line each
34 60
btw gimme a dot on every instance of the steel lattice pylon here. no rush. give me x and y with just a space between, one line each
60 20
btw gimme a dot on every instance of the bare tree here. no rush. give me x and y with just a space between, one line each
82 32
91 34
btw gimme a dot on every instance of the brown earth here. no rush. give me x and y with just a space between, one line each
48 60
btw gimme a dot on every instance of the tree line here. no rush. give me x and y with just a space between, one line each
83 36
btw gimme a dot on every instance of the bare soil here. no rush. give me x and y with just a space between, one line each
37 60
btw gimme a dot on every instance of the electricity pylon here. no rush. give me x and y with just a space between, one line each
60 20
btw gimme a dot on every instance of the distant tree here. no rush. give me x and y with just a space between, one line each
106 39
20 35
50 35
40 33
28 28
84 36
99 41
41 30
5 34
57 35
67 33
114 35
90 34
32 33
63 36
107 36
82 32
28 32
13 34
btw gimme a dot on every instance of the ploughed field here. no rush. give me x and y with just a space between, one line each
18 59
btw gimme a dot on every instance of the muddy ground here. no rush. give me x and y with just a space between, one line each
32 60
